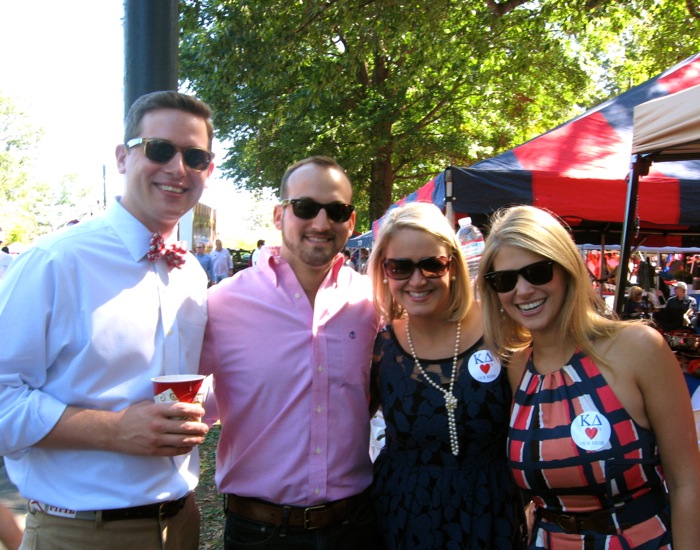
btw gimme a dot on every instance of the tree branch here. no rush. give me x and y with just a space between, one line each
502 8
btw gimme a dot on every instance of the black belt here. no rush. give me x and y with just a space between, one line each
161 510
602 521
310 517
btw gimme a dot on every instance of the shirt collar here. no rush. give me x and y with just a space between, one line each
135 236
270 261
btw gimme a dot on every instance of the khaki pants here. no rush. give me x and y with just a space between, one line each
180 532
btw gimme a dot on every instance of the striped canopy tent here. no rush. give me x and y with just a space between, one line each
433 191
579 171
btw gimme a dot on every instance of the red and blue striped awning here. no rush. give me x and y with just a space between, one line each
578 171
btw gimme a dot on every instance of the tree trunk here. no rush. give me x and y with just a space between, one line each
380 187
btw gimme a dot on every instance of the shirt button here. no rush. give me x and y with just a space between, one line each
297 295
317 491
318 450
320 368
319 409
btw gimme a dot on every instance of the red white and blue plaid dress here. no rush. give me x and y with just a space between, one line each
575 449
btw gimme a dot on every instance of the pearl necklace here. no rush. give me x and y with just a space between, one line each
450 399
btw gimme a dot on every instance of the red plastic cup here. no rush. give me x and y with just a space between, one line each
178 387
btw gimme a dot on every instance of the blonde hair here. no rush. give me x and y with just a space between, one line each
583 316
426 217
635 293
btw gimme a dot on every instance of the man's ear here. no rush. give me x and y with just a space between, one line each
277 216
121 153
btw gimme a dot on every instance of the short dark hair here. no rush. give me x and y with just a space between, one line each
319 160
260 242
167 99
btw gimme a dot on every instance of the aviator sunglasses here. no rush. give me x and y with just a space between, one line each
308 209
161 151
539 273
401 269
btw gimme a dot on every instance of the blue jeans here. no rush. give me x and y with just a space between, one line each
360 531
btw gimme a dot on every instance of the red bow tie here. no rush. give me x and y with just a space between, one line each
174 254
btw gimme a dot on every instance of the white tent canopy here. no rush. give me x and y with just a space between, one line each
665 129
668 125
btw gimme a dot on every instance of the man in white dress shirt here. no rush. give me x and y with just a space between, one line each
88 316
5 258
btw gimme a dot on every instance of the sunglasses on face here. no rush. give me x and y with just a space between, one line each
161 151
401 269
308 209
539 273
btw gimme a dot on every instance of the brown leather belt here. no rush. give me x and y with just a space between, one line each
604 521
600 522
311 517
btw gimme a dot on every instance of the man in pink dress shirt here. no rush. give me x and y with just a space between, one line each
289 342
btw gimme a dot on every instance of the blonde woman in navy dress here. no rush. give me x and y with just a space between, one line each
602 422
441 481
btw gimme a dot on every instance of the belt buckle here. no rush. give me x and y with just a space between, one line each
307 519
568 523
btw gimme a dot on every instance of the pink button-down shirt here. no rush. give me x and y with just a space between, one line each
291 383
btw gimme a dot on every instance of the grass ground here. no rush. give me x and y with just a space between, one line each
211 533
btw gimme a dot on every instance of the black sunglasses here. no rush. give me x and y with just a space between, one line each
308 209
161 151
539 273
401 269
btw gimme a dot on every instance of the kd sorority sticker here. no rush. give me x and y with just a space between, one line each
590 431
484 367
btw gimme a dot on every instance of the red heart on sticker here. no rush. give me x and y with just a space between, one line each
485 368
590 432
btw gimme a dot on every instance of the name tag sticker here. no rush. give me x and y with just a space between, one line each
590 431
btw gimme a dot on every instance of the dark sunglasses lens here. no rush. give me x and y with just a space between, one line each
401 268
159 151
434 267
308 209
538 274
503 281
197 159
339 212
305 209
398 269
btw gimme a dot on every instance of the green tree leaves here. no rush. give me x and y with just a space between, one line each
396 91
30 207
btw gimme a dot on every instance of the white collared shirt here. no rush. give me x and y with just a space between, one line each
82 325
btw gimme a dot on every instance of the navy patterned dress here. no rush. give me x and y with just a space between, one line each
426 497
577 450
